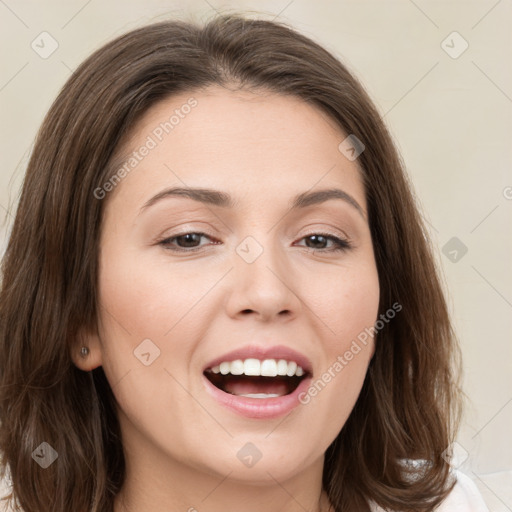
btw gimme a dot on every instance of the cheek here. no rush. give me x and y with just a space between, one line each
354 345
348 305
149 315
143 312
347 302
148 298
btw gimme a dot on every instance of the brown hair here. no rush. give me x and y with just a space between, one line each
409 406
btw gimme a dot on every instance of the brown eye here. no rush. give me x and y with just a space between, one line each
318 242
187 242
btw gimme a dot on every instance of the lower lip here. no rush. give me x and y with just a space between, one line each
258 408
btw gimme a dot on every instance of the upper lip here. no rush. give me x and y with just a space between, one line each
261 353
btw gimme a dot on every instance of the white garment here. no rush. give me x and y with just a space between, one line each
464 497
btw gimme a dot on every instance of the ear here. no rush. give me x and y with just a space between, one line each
93 358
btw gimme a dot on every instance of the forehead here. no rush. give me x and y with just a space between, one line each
248 142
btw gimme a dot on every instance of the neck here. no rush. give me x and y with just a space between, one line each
221 495
158 483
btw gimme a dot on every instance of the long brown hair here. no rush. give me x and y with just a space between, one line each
409 406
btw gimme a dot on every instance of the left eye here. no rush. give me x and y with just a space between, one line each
338 244
188 242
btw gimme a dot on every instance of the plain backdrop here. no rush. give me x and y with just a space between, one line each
440 74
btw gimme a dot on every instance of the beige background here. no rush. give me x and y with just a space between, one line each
451 118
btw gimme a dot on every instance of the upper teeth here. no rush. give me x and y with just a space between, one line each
255 367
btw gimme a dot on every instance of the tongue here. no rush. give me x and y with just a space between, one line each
252 386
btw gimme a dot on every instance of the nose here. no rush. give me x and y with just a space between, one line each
263 283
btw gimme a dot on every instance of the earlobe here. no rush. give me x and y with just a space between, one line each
86 354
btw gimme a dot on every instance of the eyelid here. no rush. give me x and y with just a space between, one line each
319 227
162 240
185 229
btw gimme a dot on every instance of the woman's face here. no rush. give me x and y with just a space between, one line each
206 295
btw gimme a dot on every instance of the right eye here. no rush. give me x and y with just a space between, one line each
184 242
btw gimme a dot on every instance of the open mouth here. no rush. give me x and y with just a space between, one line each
254 378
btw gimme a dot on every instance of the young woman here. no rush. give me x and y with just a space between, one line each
218 293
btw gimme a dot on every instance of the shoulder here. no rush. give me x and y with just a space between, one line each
464 497
5 490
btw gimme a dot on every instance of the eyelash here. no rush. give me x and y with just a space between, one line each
339 243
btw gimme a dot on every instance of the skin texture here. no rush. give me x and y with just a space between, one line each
180 444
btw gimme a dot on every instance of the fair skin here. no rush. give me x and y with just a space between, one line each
182 444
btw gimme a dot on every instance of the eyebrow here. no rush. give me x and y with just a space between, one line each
224 200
